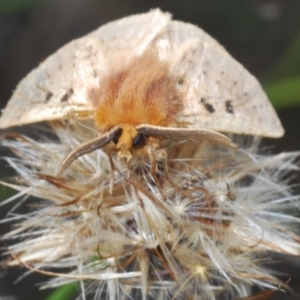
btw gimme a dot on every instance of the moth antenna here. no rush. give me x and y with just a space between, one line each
88 147
190 134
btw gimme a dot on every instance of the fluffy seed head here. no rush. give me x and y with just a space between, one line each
203 231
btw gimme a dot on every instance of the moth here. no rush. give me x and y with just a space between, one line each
142 79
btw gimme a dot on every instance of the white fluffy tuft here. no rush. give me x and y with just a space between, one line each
203 231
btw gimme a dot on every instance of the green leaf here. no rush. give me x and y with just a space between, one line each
65 292
5 193
288 66
284 93
8 6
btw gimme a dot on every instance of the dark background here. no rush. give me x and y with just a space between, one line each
257 33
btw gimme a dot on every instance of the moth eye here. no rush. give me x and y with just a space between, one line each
115 140
139 140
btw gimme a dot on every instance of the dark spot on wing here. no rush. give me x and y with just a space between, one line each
208 106
180 80
67 95
229 107
95 73
48 96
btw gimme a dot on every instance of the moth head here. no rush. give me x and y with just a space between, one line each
129 137
125 137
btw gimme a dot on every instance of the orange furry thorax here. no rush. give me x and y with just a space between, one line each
143 92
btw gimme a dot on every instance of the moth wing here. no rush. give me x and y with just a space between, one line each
218 92
58 87
134 34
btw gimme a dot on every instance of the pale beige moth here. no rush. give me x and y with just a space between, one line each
142 79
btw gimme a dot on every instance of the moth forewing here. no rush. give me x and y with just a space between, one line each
88 147
188 134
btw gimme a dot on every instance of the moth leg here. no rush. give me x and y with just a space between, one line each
153 163
108 152
112 174
153 168
128 169
154 155
161 156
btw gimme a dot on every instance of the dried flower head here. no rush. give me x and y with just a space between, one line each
200 229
